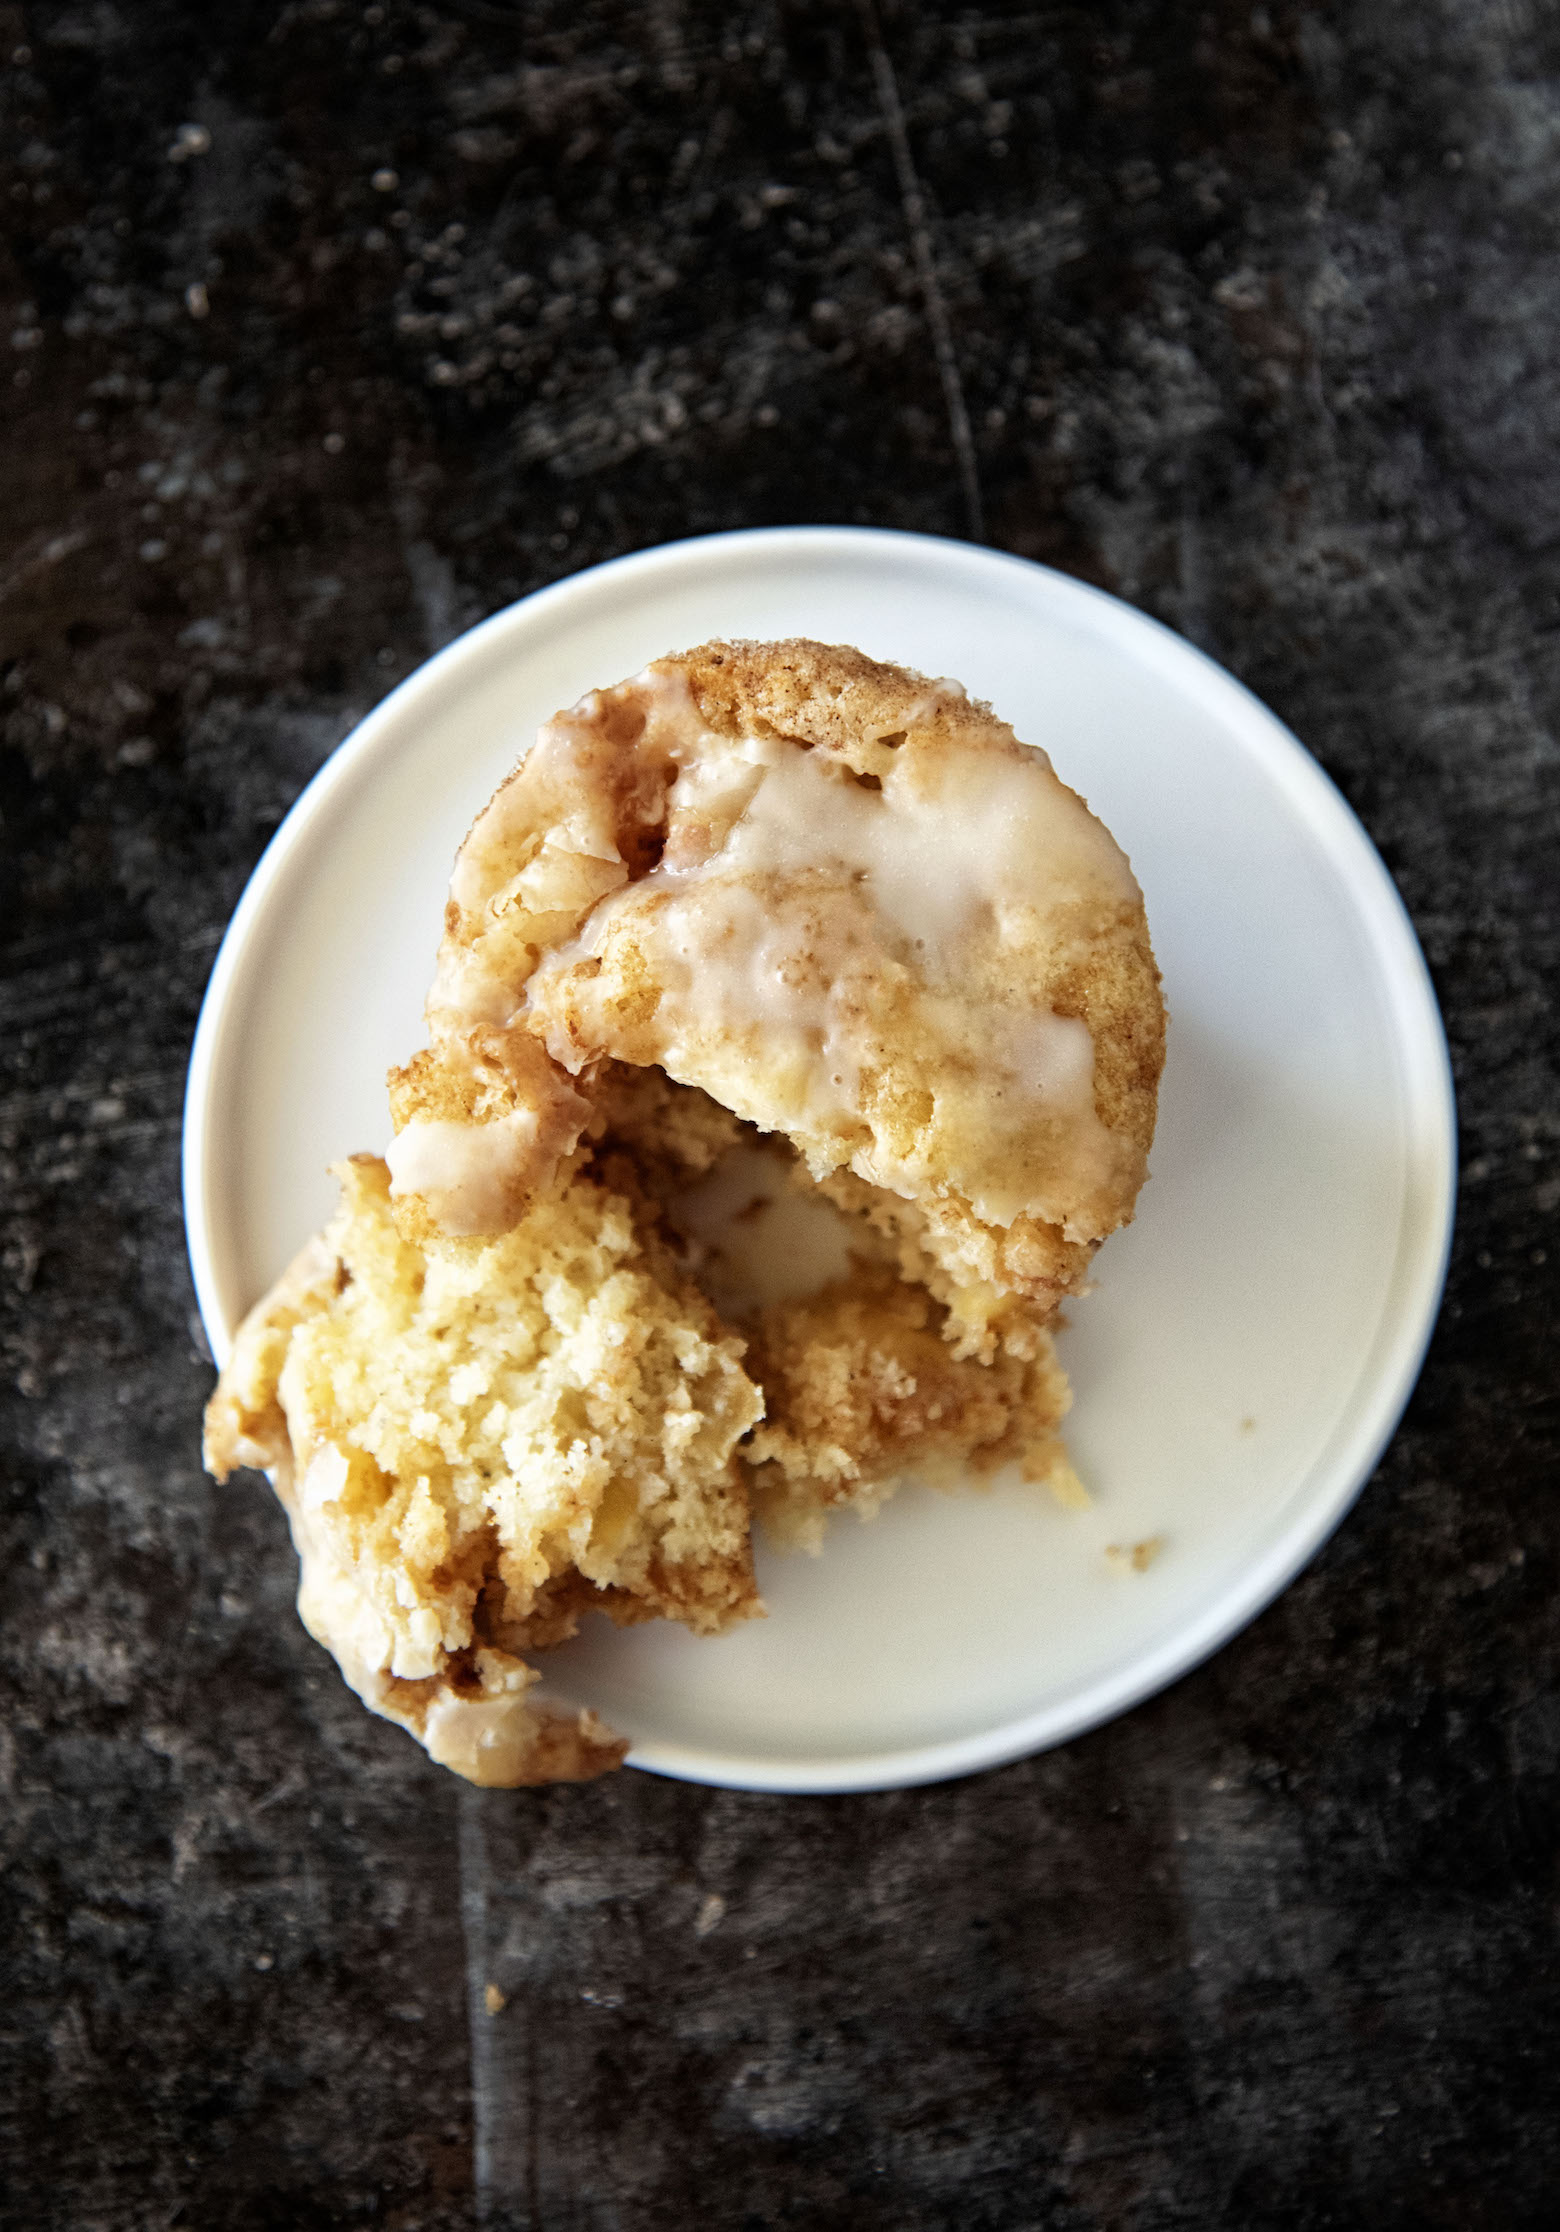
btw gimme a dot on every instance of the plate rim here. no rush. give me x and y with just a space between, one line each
1371 1409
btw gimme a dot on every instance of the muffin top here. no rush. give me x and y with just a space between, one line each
841 899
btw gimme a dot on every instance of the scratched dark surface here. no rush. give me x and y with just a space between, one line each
328 329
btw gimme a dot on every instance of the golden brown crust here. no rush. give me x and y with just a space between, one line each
829 695
245 1423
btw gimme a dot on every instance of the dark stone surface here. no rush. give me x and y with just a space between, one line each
1250 314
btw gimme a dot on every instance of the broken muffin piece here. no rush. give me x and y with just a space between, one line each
478 1440
861 1389
863 1381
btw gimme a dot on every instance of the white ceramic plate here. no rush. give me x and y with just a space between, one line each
1252 1337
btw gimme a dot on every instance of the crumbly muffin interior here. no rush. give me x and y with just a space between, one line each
477 1439
864 1380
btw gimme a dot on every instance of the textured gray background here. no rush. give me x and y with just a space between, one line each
329 329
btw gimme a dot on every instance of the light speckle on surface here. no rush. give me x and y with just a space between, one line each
1134 1557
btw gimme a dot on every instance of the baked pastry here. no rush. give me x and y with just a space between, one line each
475 1440
861 1384
860 1389
774 896
848 905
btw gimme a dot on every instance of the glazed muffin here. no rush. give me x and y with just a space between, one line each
849 906
762 898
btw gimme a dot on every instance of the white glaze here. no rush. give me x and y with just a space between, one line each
465 1173
757 1238
934 847
485 1738
803 924
790 895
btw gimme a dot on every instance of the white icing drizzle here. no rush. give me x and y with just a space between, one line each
793 918
935 845
797 916
757 1238
485 1738
464 1172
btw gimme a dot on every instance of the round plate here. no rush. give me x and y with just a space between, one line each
1251 1338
